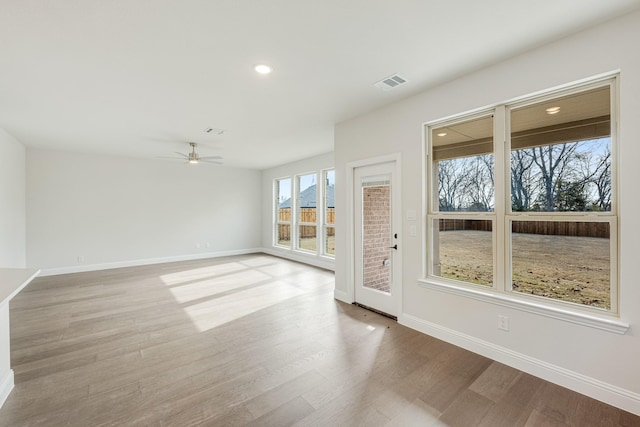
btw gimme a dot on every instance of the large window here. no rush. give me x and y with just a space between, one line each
521 199
283 207
329 213
306 218
305 213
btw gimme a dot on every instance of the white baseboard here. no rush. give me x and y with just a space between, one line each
139 262
6 385
608 393
315 260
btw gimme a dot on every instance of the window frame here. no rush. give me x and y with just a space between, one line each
503 216
433 204
294 224
298 223
324 214
276 212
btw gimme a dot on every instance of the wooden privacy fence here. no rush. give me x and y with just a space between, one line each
306 215
464 224
562 228
547 228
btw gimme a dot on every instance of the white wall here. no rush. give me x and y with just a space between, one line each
114 211
12 237
311 164
12 202
602 364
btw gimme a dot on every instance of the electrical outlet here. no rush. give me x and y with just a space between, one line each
503 323
80 258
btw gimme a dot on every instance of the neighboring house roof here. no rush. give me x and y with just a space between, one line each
308 198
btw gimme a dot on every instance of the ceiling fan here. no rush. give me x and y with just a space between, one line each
194 158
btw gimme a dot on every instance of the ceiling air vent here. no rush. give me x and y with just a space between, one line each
214 131
390 82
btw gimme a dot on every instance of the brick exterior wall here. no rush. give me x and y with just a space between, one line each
376 238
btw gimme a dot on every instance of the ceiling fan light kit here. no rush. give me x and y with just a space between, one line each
194 158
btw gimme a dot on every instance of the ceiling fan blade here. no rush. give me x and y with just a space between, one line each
182 154
215 162
210 158
170 157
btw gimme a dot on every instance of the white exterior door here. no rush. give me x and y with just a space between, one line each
376 239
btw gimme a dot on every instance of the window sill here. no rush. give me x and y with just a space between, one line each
300 256
604 323
304 252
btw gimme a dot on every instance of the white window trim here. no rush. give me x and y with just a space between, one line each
502 216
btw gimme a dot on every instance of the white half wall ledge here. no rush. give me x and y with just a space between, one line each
599 390
311 259
12 281
147 261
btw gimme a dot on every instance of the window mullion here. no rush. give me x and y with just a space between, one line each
501 180
320 236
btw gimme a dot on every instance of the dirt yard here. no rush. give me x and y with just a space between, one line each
574 269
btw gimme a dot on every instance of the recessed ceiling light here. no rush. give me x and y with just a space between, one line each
553 110
442 134
262 69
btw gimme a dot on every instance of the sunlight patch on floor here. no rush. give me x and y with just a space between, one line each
259 261
215 312
217 285
201 273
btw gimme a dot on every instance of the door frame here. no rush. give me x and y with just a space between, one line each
397 217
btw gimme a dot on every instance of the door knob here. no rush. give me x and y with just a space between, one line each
394 247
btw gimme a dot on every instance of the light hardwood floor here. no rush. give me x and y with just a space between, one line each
252 340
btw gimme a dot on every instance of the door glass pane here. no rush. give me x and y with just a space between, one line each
463 250
564 260
376 236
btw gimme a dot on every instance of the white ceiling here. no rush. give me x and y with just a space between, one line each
140 78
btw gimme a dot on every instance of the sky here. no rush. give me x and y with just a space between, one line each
306 181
